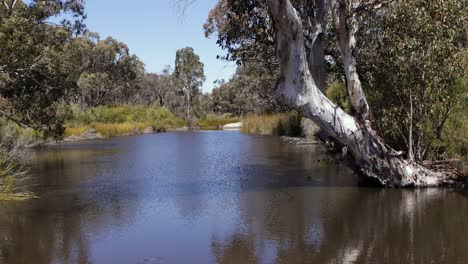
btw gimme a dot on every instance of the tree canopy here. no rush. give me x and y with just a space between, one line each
33 73
188 76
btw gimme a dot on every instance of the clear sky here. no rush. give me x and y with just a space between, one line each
155 29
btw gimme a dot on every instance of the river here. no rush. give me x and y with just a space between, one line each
220 197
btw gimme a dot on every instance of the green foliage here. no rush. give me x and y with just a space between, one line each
33 73
336 92
283 124
412 57
243 29
158 88
454 138
13 141
250 90
121 119
106 71
44 66
11 174
121 114
188 76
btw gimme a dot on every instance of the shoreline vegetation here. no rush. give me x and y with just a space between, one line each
281 124
124 120
290 126
13 143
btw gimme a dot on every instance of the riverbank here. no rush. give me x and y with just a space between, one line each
123 120
301 131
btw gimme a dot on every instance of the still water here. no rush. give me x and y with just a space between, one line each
220 197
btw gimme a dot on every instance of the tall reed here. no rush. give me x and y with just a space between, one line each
282 124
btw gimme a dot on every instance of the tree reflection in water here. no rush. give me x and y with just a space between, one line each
347 225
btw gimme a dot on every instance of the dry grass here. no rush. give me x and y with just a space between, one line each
112 130
11 175
121 120
215 121
76 131
282 124
13 142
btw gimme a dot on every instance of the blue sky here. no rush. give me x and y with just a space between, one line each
154 30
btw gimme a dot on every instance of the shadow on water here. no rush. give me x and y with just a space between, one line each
221 197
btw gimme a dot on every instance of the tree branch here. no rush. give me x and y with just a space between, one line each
367 5
347 29
20 123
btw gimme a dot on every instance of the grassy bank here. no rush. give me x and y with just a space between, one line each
216 121
121 120
11 175
13 142
282 124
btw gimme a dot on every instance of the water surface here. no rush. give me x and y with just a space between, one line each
220 197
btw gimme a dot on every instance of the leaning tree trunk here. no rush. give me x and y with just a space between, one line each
371 157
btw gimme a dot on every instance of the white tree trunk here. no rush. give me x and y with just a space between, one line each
346 31
372 158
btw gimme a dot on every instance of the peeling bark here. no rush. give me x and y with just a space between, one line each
371 157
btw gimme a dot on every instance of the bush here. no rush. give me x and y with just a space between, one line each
336 92
13 141
121 119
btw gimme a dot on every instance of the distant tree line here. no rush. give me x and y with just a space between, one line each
46 66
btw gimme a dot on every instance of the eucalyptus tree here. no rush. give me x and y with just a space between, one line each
34 76
248 91
107 72
188 77
357 36
245 30
371 156
159 88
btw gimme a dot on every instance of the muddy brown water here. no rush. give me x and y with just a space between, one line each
220 197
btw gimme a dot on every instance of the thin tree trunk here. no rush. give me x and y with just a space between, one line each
346 30
371 157
189 105
317 53
410 139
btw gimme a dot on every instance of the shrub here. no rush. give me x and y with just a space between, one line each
13 141
121 119
336 92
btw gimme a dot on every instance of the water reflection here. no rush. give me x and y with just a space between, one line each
220 197
348 225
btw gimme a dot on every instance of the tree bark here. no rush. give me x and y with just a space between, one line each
372 159
346 30
317 54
